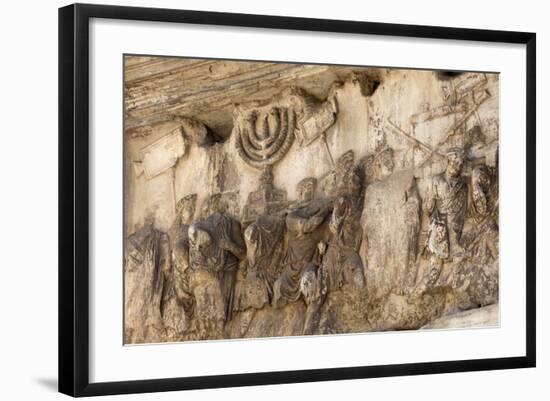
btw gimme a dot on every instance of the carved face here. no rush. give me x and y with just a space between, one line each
198 238
475 135
385 163
212 205
446 90
187 212
454 164
345 162
186 208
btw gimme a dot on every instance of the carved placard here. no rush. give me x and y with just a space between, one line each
162 154
317 123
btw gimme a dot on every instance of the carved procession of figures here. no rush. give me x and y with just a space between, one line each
394 229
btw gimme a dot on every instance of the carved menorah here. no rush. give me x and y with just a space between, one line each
265 136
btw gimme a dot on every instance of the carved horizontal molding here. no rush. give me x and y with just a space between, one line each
158 88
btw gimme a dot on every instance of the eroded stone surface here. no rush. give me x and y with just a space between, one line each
482 317
266 199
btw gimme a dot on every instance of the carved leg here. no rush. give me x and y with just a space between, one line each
430 279
245 320
312 320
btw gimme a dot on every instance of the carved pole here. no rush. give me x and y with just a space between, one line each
412 139
453 127
174 188
324 139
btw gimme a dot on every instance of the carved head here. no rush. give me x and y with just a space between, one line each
475 135
384 161
212 205
345 162
198 238
185 208
306 189
481 181
455 160
447 91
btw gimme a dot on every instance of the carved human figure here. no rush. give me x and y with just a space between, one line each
211 205
481 239
449 196
265 200
343 180
216 246
484 195
378 165
447 204
264 241
347 180
304 224
384 163
147 262
413 210
481 190
342 263
178 302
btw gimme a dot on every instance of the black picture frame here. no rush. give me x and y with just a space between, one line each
74 198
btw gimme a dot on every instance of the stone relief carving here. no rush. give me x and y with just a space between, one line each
399 229
265 135
147 265
305 229
178 302
162 154
265 131
265 200
216 247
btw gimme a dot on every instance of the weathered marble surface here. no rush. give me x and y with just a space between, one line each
486 316
266 199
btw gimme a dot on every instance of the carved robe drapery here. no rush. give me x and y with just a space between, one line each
483 238
219 254
342 263
450 196
264 241
305 230
147 263
178 302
